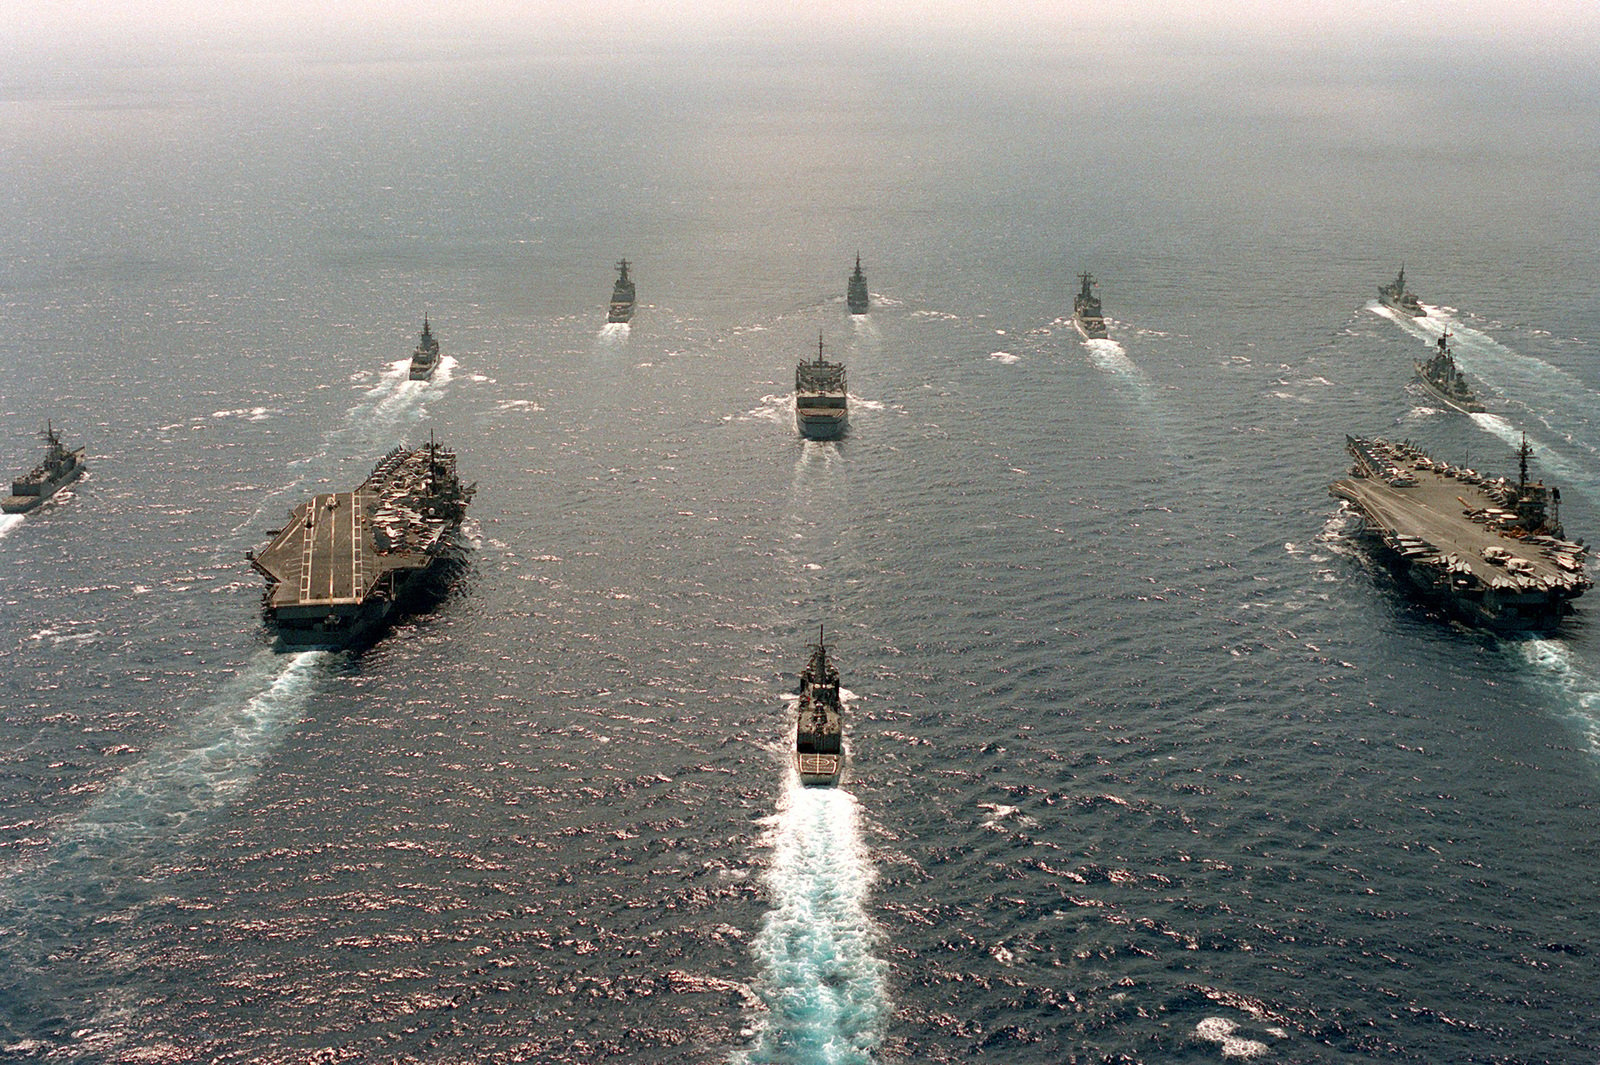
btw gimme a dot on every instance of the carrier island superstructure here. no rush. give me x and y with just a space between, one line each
1492 550
345 559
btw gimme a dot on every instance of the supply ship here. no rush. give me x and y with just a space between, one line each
819 722
345 560
821 409
1395 296
856 295
621 296
1444 382
60 468
1086 310
1491 550
425 359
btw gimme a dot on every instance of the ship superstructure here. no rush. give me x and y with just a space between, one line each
856 294
622 296
1086 310
1492 550
821 402
59 468
819 721
425 359
1395 296
1443 380
346 559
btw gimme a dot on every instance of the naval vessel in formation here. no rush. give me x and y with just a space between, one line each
425 359
1394 296
1441 379
59 468
821 404
1086 310
1492 550
345 560
621 296
856 295
819 721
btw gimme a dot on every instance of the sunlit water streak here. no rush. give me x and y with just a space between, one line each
821 982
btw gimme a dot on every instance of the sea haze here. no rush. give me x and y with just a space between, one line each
1149 759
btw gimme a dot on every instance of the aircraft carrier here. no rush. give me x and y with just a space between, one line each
344 561
1491 550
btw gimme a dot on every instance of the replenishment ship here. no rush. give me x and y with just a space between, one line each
621 296
1491 550
856 295
1394 296
60 468
821 409
1442 380
425 359
819 721
1086 310
346 560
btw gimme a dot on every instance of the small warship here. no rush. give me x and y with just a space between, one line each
345 560
1491 550
621 296
819 724
425 359
1395 296
1086 311
856 295
1443 381
60 468
820 400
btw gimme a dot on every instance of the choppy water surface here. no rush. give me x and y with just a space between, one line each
1148 760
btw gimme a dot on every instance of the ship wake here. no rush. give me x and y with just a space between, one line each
105 865
9 522
1579 688
821 983
1111 357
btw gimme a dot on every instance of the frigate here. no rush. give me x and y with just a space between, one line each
425 359
1395 296
1086 310
819 721
59 468
1441 379
856 295
621 296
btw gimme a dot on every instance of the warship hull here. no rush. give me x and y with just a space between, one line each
347 561
425 359
1090 327
856 295
819 723
1486 550
1086 316
35 495
821 423
1466 404
821 398
61 466
620 310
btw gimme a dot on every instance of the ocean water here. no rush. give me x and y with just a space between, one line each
1149 761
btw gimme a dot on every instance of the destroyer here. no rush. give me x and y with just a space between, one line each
1443 381
621 296
60 468
345 559
1086 310
821 409
1395 296
425 359
856 295
819 722
1490 550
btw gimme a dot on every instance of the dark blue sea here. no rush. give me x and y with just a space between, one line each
1149 760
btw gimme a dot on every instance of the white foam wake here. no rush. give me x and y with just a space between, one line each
821 983
1580 689
9 522
1111 357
